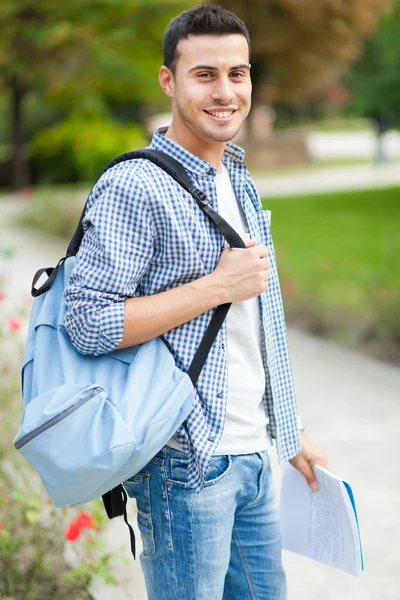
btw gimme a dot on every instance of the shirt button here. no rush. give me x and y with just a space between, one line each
223 346
220 395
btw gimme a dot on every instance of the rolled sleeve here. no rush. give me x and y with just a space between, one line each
115 252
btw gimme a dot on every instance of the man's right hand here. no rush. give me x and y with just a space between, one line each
242 273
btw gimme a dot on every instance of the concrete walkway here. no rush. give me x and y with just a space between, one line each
349 404
329 179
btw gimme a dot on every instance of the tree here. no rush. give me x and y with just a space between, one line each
78 50
299 46
374 80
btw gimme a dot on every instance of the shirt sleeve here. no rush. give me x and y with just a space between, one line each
115 252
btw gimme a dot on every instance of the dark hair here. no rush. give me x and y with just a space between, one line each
209 19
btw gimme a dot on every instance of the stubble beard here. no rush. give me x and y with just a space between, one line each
210 133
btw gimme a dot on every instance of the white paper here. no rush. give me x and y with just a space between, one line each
321 525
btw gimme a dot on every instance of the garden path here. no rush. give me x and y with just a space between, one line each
328 179
350 406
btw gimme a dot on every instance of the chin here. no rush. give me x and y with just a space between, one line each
221 136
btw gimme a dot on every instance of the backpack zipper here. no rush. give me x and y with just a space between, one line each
53 421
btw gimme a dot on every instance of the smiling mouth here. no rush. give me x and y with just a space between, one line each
221 114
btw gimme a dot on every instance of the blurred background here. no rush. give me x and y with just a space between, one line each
78 86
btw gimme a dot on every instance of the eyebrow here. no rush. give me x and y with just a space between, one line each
211 68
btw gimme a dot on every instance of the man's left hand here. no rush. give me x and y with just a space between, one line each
309 456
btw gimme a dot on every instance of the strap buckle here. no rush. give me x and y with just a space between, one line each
200 196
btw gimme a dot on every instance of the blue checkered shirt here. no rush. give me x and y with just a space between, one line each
143 234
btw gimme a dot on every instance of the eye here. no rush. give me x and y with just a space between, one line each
238 75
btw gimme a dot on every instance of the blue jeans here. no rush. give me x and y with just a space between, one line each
222 543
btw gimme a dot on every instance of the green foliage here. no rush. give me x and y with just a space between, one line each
75 55
67 49
339 263
375 79
78 149
298 47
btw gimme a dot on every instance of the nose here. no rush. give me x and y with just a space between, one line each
222 90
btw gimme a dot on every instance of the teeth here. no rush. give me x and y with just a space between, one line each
223 115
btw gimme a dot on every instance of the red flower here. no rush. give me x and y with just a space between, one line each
82 521
2 296
14 324
1 529
72 532
85 520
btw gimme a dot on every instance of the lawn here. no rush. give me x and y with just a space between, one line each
338 258
339 244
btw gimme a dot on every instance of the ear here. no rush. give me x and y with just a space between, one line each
166 79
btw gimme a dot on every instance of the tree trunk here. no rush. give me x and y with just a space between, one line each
20 168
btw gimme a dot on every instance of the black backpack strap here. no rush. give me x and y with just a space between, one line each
175 169
115 502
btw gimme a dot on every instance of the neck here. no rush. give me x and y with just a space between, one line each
208 150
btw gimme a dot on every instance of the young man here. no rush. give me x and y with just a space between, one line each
151 264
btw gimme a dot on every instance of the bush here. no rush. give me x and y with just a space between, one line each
54 210
78 149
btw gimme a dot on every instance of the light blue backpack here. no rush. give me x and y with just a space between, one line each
92 422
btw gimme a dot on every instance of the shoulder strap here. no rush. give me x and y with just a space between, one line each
175 169
171 166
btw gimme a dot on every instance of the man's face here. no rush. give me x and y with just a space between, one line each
211 88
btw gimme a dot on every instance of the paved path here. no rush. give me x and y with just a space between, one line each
328 145
329 179
350 405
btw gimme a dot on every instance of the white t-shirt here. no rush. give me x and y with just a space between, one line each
246 420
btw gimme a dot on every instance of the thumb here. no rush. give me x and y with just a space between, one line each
250 243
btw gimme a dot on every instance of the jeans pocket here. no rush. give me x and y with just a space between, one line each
217 468
178 471
138 487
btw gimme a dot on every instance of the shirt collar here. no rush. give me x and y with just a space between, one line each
190 161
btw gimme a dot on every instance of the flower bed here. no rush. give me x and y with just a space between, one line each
46 553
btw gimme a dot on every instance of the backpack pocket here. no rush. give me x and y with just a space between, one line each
75 438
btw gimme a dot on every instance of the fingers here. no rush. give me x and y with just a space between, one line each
305 469
261 249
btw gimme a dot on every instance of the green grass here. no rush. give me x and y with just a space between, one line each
337 249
